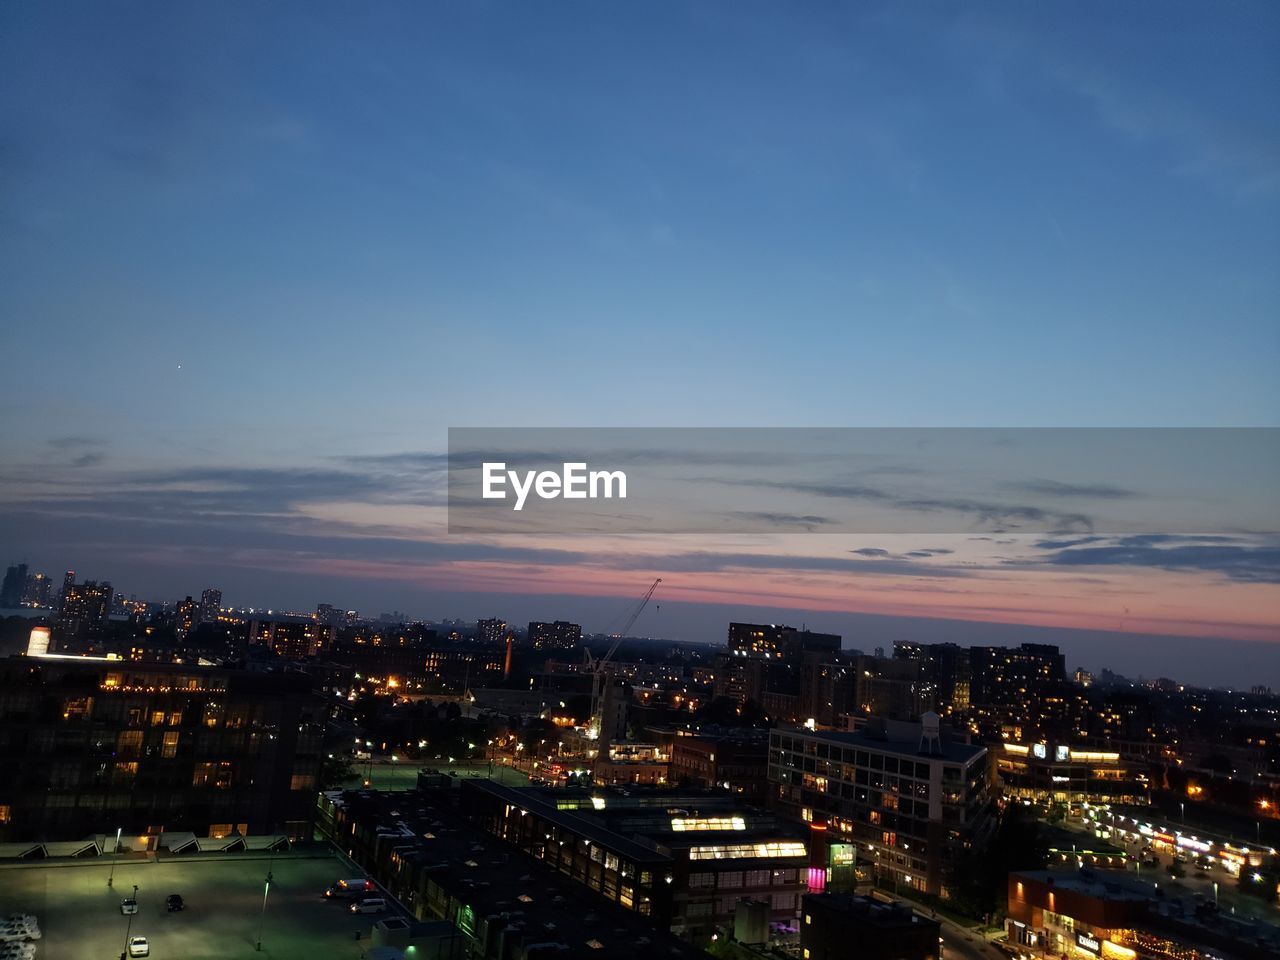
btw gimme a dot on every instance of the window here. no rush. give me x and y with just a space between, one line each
170 748
698 880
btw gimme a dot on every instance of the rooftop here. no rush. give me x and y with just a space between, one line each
895 743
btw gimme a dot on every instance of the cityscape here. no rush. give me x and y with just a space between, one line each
691 480
486 789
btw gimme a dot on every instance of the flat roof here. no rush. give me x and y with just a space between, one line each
949 750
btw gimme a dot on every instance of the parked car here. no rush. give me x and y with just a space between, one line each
369 905
139 947
351 889
128 905
173 903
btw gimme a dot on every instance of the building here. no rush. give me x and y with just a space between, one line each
560 635
491 631
1046 772
186 616
422 848
737 762
682 859
946 667
1006 675
91 745
85 606
14 586
907 798
210 605
1088 915
39 591
882 930
291 639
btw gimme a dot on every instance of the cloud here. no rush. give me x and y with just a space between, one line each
1249 563
1056 488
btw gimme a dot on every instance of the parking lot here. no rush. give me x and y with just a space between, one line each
81 919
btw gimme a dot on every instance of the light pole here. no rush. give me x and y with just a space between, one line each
115 852
263 919
128 928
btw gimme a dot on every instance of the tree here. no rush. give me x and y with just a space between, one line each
980 877
336 771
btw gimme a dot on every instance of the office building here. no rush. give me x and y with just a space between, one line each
907 798
737 762
186 616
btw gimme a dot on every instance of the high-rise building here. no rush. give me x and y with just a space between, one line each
85 606
1005 675
39 590
68 581
329 616
491 631
188 615
946 667
14 586
560 635
210 605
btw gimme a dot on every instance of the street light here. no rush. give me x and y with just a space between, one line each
128 928
114 853
263 919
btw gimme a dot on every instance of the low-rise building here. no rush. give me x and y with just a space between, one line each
1046 772
882 929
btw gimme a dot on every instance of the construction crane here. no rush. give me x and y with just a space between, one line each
599 667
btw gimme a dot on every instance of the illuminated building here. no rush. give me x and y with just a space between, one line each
1005 675
560 635
683 859
210 605
1083 915
93 743
187 616
1046 772
737 762
85 606
491 631
291 639
883 930
907 799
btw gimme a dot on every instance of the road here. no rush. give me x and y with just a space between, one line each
81 919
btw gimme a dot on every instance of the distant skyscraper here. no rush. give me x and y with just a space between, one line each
210 605
15 585
560 635
85 605
188 616
68 581
39 588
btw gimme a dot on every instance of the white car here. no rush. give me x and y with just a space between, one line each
138 947
128 905
369 905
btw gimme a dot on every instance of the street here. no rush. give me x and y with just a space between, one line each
81 919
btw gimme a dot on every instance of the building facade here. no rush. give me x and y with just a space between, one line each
95 745
909 805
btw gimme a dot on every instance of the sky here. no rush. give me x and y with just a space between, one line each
256 259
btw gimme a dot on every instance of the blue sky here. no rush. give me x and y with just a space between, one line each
266 236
